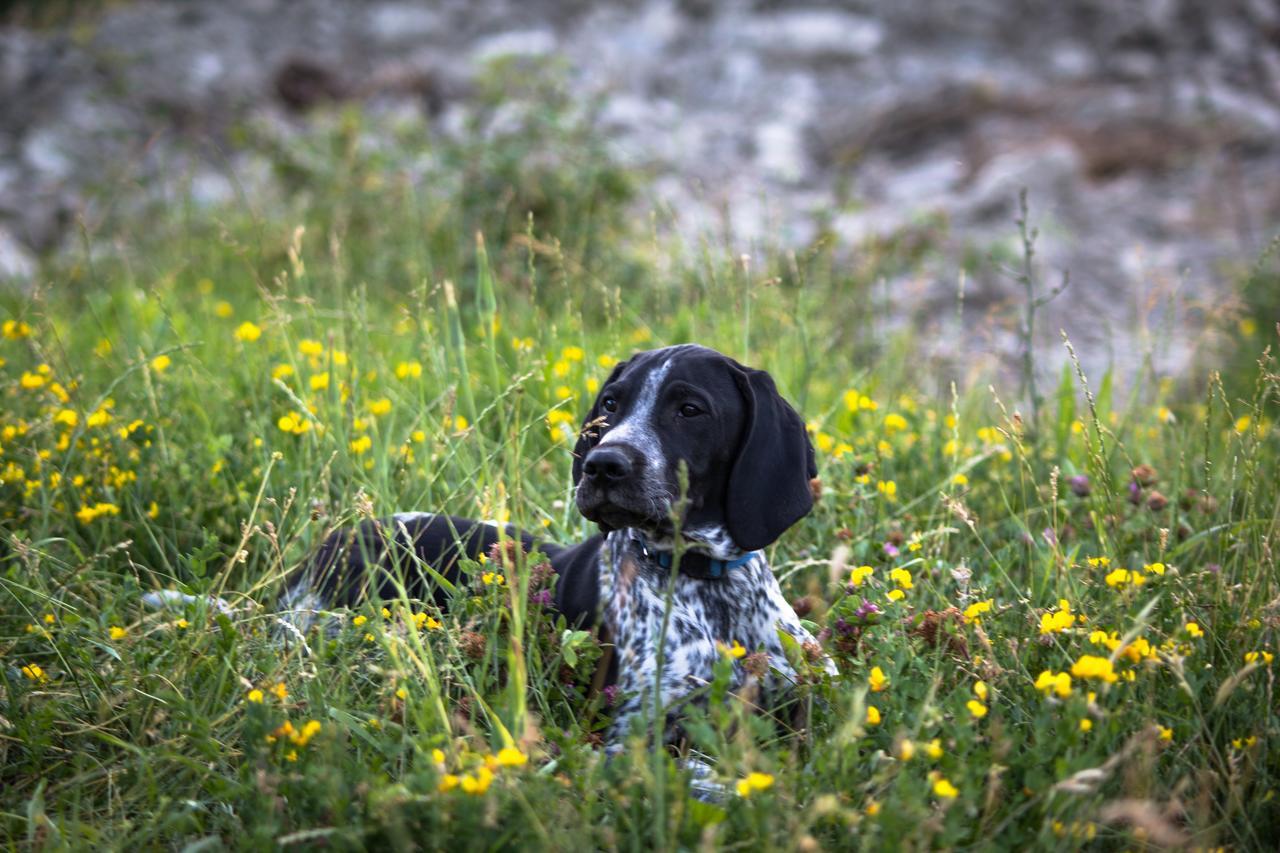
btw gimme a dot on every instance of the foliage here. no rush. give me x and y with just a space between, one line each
1047 632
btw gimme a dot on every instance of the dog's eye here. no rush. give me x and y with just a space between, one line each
609 404
689 410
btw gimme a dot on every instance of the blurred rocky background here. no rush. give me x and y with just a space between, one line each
1146 133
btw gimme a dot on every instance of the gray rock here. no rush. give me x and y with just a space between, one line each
17 265
815 35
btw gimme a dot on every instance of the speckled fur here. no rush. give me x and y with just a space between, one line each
745 606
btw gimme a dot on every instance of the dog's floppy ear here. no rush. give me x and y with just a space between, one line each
589 432
769 482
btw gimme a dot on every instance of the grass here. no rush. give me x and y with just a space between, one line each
204 394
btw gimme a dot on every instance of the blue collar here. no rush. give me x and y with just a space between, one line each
694 564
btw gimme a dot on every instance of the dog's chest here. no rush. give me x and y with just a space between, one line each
635 591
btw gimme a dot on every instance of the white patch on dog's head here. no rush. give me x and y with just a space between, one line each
636 427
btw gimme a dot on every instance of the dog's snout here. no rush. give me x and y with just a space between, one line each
608 464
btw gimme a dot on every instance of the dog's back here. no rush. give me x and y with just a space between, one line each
419 553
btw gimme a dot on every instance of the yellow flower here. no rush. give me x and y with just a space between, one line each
980 690
509 756
734 651
491 578
359 620
888 488
572 353
309 730
976 708
161 363
459 423
294 423
872 809
1154 568
960 480
878 680
1139 649
116 632
753 783
380 407
1098 562
479 783
1059 683
1122 577
1242 424
906 750
1086 724
973 613
223 309
1254 657
280 691
31 380
1094 667
255 696
873 715
16 330
408 370
934 749
945 789
859 575
67 417
182 623
319 381
34 672
1166 733
894 422
280 371
361 445
1058 620
1193 630
902 578
447 783
895 595
248 332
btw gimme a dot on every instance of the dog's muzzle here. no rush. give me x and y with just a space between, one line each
614 491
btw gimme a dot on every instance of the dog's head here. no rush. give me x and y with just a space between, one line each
748 457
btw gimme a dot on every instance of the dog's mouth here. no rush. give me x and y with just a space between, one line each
616 513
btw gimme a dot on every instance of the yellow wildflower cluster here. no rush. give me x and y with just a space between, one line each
87 514
1093 667
973 613
1058 683
754 783
859 576
1057 621
482 776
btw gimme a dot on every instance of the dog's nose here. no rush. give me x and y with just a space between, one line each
607 464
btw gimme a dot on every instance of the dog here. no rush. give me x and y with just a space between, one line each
690 464
681 411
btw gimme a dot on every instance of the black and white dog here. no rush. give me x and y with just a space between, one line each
750 475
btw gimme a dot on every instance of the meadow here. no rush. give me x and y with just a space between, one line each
1055 624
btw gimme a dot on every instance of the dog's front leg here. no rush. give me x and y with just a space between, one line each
777 613
688 657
